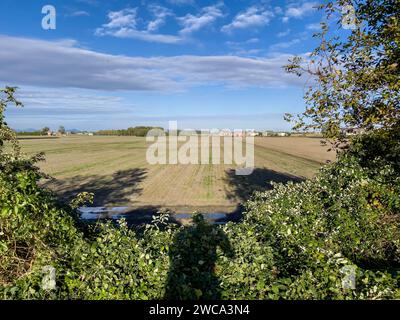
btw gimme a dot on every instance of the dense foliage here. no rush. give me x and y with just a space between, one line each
357 76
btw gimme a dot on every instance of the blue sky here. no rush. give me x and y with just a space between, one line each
119 63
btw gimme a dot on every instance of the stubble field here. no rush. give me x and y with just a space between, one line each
116 170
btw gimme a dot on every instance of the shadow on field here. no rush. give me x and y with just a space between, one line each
108 189
242 187
193 256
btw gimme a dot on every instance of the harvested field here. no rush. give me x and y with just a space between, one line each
116 170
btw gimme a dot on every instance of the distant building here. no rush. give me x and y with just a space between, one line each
225 133
237 133
352 131
251 133
274 134
51 133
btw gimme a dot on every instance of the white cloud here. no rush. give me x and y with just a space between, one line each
59 64
206 17
278 10
80 13
252 17
299 11
123 18
283 33
314 26
244 48
284 45
253 40
248 52
160 15
123 24
56 100
73 108
145 36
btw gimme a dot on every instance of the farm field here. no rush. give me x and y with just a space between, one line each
116 170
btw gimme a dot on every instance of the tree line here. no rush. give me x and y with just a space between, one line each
139 131
42 132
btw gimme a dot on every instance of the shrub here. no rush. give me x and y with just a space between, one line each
298 241
35 231
349 211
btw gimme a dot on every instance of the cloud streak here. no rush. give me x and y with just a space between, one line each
69 107
80 13
61 64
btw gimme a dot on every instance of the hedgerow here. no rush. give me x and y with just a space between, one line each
297 241
348 216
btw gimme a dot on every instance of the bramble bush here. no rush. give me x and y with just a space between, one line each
348 215
294 242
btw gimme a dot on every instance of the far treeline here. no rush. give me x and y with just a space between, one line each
140 131
29 133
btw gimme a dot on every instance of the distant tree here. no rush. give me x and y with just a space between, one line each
6 134
44 131
29 133
12 160
139 131
61 130
357 78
